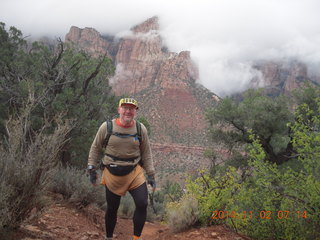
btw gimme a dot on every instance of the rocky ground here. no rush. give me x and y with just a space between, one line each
60 220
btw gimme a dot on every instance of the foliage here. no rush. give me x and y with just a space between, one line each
26 169
74 185
266 117
172 191
61 80
127 207
308 95
145 122
155 211
213 193
52 101
271 201
289 195
183 214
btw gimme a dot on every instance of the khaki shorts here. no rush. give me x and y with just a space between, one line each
121 184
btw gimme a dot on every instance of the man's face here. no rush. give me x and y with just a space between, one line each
127 113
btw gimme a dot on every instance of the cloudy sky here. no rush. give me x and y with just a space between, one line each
224 36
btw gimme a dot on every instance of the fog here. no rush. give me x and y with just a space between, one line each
224 36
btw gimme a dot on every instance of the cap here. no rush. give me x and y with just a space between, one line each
128 101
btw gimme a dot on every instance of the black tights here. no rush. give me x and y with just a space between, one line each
140 197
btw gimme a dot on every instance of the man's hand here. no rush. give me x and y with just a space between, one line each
92 174
152 181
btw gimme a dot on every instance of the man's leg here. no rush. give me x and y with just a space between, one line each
140 197
113 202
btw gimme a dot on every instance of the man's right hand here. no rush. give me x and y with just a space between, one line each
92 174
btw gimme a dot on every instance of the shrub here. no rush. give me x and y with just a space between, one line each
26 164
127 207
294 193
155 212
183 214
75 186
213 193
156 209
267 201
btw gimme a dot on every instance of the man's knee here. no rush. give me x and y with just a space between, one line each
112 208
142 204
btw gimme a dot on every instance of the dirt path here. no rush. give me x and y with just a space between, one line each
61 221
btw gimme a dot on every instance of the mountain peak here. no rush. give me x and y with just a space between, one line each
147 26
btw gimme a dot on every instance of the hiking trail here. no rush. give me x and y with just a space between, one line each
60 220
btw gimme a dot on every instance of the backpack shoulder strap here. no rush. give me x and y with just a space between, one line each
109 133
139 135
138 126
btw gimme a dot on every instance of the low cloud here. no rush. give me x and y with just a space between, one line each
224 37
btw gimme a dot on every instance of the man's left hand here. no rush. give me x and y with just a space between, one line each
151 180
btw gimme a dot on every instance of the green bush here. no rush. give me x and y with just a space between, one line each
213 193
283 201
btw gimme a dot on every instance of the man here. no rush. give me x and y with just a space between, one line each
126 154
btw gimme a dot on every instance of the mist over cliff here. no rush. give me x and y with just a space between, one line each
223 37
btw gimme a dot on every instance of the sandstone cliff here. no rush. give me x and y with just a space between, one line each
282 77
88 39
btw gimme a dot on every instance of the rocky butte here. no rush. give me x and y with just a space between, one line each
165 84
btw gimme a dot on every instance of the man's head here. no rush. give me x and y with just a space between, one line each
127 110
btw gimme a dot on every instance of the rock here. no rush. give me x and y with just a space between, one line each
93 234
35 231
88 39
31 228
84 238
31 238
194 233
214 234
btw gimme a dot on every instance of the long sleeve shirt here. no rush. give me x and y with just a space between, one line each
120 147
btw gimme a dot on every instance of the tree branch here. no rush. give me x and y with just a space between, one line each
60 54
92 76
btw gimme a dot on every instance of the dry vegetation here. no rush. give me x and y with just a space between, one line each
27 161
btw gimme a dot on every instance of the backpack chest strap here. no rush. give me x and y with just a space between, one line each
124 135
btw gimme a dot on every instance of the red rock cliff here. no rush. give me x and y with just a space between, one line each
282 77
163 81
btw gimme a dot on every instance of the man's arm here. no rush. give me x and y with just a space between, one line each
146 155
95 153
96 149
